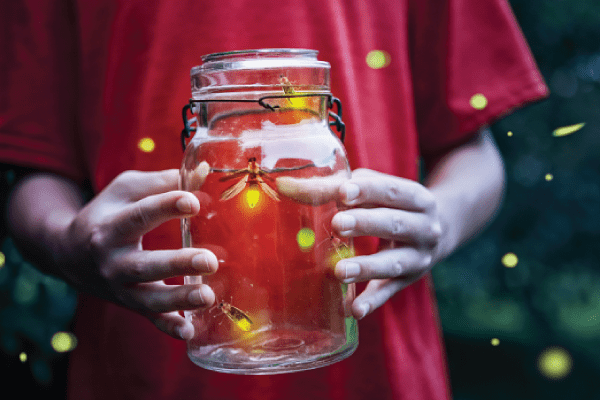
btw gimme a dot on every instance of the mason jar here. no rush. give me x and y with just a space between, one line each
266 167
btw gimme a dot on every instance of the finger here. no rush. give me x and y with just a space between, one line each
158 297
377 293
385 190
135 185
150 266
194 179
314 191
173 324
392 263
146 214
385 223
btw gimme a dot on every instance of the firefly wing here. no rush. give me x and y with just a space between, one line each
234 190
267 189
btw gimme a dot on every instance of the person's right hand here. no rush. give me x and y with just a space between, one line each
100 250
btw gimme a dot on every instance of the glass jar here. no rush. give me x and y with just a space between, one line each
266 168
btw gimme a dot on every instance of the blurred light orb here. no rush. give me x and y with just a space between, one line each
478 101
146 145
305 239
495 341
555 363
2 259
509 133
23 357
549 177
378 59
510 260
63 341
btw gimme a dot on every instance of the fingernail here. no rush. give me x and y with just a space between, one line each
351 192
183 333
345 222
184 205
363 309
195 297
200 261
351 271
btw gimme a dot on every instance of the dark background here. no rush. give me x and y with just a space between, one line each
551 298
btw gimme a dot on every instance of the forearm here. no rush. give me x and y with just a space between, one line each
468 184
40 208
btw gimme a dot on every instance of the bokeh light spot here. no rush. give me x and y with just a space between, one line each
567 130
378 59
63 341
495 341
2 259
510 260
549 177
478 101
146 145
509 133
305 239
555 363
23 357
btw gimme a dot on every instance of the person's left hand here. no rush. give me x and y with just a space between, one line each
399 210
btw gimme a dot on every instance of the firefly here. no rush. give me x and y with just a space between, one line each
237 316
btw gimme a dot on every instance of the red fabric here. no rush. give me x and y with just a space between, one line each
84 81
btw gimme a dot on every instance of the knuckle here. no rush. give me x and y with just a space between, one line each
97 240
393 194
139 216
436 231
396 268
397 226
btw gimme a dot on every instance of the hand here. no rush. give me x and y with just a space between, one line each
399 210
100 250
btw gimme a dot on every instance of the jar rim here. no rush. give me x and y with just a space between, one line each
255 53
259 59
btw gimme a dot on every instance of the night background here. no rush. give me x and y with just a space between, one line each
520 305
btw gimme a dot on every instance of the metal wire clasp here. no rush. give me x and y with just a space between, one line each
190 125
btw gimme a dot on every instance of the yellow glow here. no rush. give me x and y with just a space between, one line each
555 363
305 238
341 253
510 260
549 177
146 145
252 197
378 59
244 324
2 259
478 101
509 133
567 130
495 341
63 341
23 357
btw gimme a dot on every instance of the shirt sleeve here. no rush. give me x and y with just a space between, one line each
471 65
38 87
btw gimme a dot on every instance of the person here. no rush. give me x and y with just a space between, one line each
83 83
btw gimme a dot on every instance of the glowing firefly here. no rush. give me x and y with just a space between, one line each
567 130
237 316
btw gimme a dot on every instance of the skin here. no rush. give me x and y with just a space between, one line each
96 247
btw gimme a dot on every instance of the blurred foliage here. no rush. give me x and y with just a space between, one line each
550 220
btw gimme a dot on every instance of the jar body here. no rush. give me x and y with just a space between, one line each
267 184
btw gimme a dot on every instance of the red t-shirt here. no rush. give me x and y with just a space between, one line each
83 81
